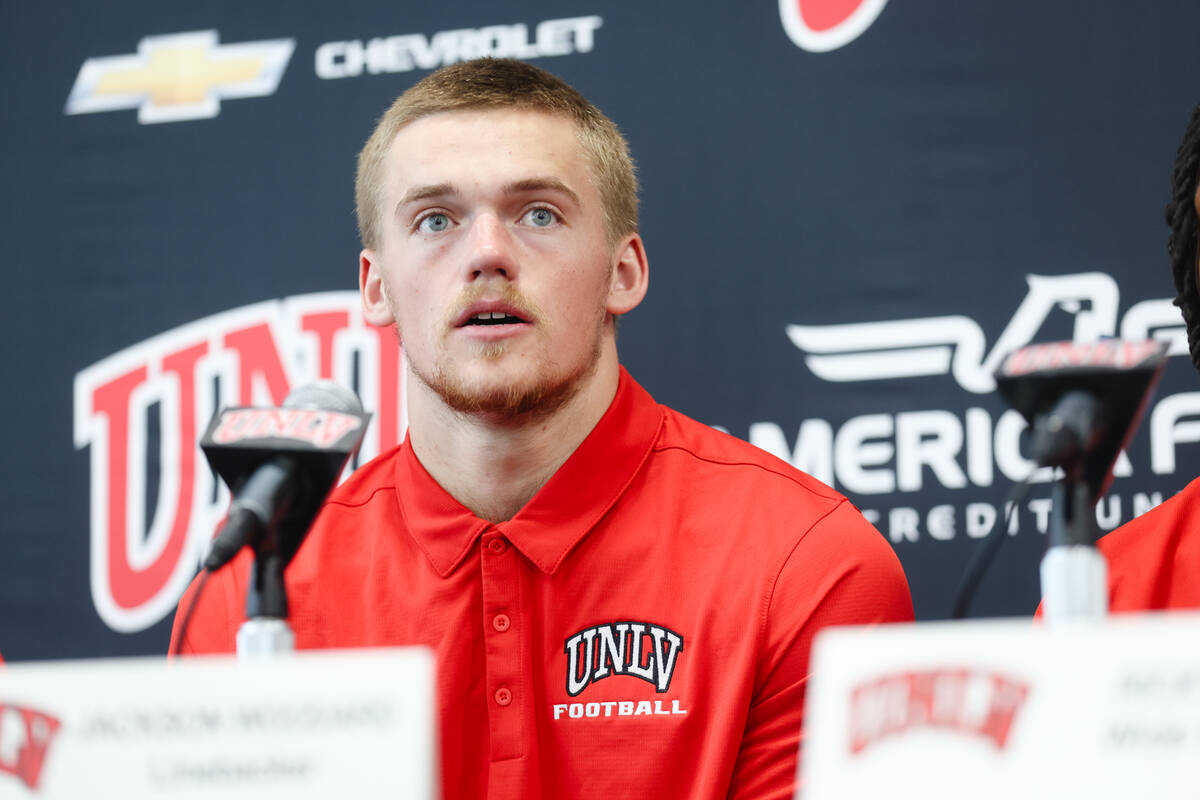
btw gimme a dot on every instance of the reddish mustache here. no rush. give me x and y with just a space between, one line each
507 301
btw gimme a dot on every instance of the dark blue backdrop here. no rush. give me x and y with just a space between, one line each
924 170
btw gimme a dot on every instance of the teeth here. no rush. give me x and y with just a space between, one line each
493 318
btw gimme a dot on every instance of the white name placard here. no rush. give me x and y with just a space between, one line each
321 724
1003 709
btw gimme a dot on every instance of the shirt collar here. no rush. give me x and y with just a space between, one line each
561 513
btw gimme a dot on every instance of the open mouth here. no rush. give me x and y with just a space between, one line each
493 318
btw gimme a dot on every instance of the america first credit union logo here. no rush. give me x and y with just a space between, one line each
179 76
955 344
819 26
962 448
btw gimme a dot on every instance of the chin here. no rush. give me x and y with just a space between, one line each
508 398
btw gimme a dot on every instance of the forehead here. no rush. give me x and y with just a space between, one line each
468 146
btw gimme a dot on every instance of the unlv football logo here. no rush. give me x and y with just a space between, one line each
822 25
638 649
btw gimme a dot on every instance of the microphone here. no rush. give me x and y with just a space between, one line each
1082 401
1071 429
280 464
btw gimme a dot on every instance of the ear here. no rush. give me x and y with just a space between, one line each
630 277
376 310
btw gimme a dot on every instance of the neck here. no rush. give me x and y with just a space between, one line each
495 467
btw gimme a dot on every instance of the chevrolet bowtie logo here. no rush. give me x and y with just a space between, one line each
179 76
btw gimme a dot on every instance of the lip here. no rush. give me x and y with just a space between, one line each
491 332
491 306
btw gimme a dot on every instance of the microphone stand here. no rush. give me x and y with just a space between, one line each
280 464
266 634
1074 572
1082 402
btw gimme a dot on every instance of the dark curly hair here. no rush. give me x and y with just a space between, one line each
1181 217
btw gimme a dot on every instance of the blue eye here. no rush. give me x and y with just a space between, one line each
434 223
540 217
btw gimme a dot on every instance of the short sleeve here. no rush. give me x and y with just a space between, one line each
840 572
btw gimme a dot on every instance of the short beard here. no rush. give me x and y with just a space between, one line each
512 404
537 399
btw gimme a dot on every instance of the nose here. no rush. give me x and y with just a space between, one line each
490 249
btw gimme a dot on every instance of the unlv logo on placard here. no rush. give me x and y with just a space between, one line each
25 737
822 25
893 453
966 701
250 356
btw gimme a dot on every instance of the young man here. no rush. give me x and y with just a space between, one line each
1154 560
621 600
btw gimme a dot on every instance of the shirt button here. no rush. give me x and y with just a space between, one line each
501 622
497 546
503 696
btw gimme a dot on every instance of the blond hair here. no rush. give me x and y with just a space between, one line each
488 83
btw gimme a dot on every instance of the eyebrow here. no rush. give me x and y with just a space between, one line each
541 184
418 193
425 192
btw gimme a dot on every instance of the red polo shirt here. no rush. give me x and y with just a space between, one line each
1154 559
641 627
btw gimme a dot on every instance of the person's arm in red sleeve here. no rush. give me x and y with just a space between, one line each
218 614
841 572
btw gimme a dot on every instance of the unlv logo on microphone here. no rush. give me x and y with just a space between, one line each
317 427
822 25
168 388
25 737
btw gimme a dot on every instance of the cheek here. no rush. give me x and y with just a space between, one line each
582 290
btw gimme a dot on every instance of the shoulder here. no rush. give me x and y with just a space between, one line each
364 506
712 451
1153 560
367 482
1155 528
793 521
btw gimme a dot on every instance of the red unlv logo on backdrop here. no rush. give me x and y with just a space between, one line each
822 25
25 737
965 701
168 388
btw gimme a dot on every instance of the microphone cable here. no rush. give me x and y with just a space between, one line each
987 549
176 649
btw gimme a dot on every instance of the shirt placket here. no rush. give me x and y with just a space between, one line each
507 691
